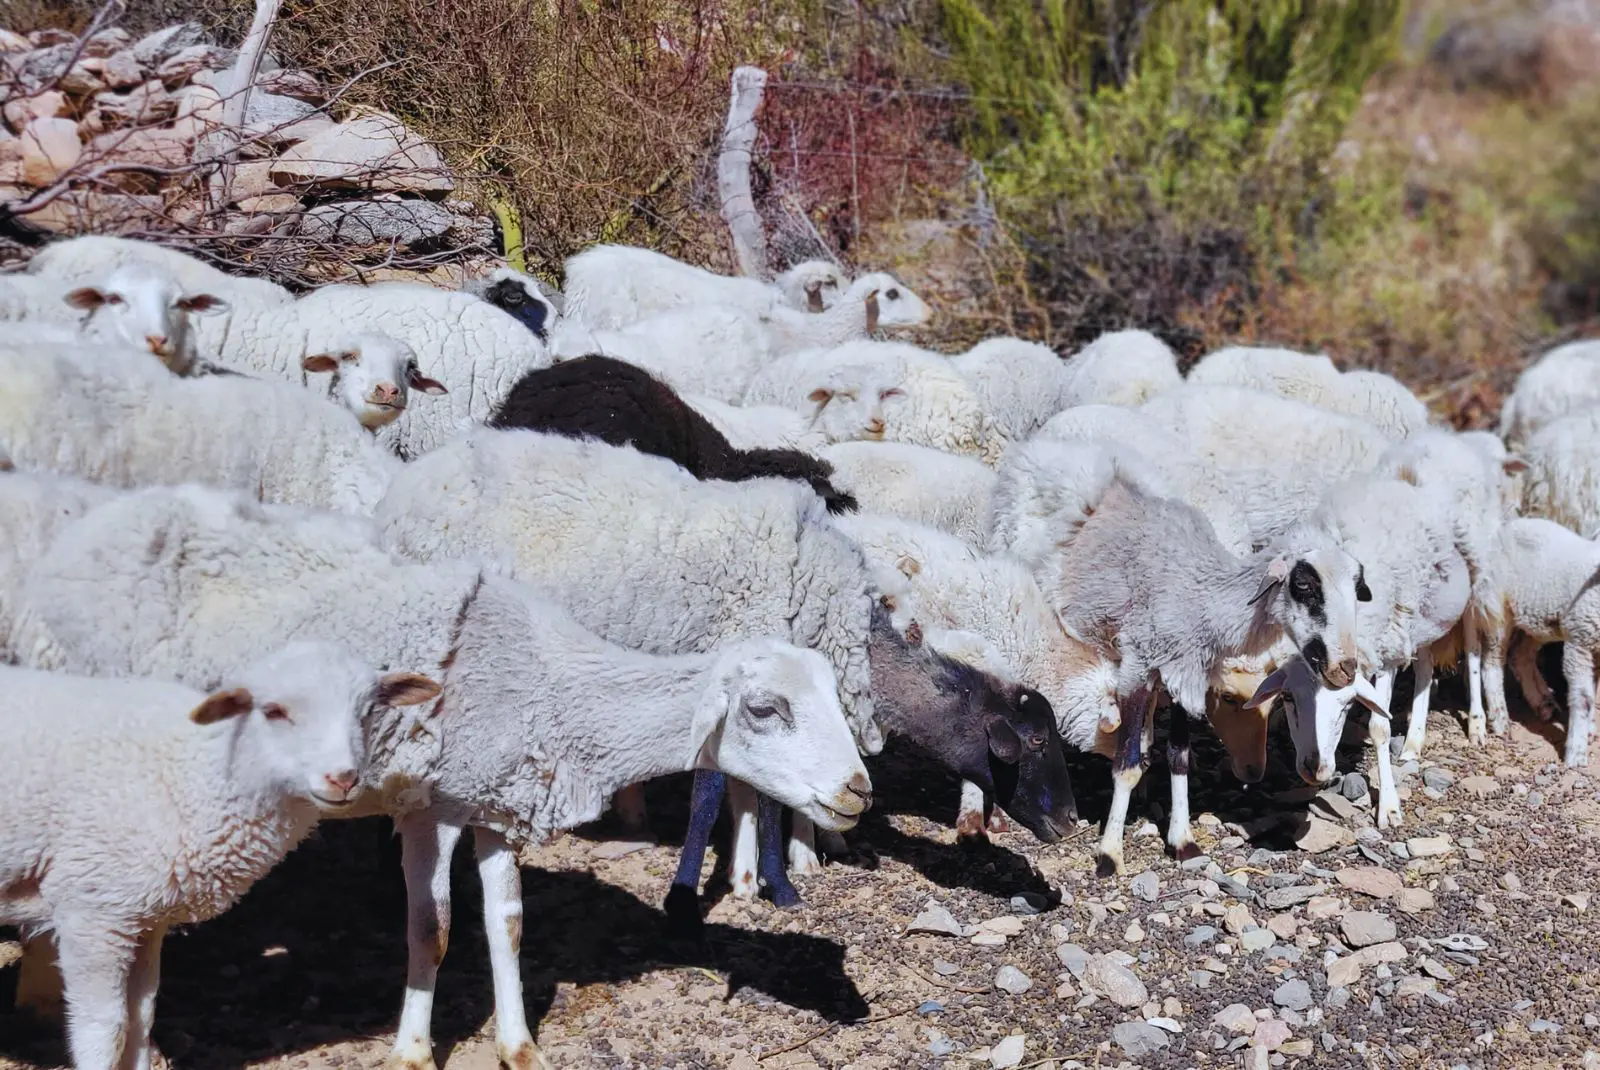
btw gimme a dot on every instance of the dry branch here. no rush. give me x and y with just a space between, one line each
733 172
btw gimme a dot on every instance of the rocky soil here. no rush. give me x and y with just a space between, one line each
1305 938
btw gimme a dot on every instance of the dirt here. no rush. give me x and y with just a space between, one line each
308 970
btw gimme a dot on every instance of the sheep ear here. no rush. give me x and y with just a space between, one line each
320 362
417 381
221 705
872 312
204 303
406 689
1513 465
1363 592
1004 743
1368 696
908 565
1269 689
814 295
821 395
1276 573
85 297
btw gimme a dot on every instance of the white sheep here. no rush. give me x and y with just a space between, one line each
139 306
1020 384
113 417
1559 383
540 720
1546 586
372 375
814 285
752 427
1124 368
32 510
1562 477
887 391
1372 396
130 806
916 483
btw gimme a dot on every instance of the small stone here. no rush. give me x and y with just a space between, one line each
1283 926
1074 958
1354 787
1415 900
1436 969
19 111
1171 1008
1543 1025
49 147
1007 1053
183 65
375 222
123 70
1012 980
1342 973
935 919
1201 979
1002 926
1337 806
1415 986
1363 928
1374 881
1511 882
987 939
1295 1048
1146 886
1400 851
1323 907
157 46
1320 836
1256 940
931 1006
1237 919
1284 898
1480 787
1337 998
1134 932
1271 1034
1200 935
1139 1039
1168 1025
1235 1018
944 968
1295 995
1462 942
1429 846
1116 982
1028 904
938 1044
1438 779
1578 901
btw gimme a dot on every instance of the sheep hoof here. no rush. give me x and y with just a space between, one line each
1106 866
525 1056
683 913
1547 711
998 823
412 1059
1184 851
970 830
784 895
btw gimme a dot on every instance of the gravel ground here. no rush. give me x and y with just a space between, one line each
1461 940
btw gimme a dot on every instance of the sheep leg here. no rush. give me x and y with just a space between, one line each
683 898
1180 838
1127 768
95 964
39 991
1494 688
1469 639
426 845
803 859
143 982
629 804
1577 663
771 872
502 927
1525 667
1378 729
994 818
742 802
1417 728
970 826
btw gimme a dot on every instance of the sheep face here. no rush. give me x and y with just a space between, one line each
852 404
372 376
533 310
146 308
1026 769
897 305
1316 713
775 723
298 717
1314 596
813 285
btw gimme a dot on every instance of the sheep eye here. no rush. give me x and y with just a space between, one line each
894 392
892 294
114 299
761 713
272 711
1037 742
349 357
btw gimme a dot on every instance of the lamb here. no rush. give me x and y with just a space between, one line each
623 405
749 427
1546 586
887 391
148 427
1020 384
1368 395
916 483
1124 368
132 805
372 375
1419 589
1145 583
1562 479
139 306
539 723
1561 382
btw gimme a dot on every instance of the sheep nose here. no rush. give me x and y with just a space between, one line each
1310 772
875 427
156 342
385 393
861 787
341 784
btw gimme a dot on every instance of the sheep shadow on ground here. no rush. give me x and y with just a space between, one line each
316 954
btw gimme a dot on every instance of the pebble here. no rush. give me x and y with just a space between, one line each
1374 881
1438 779
1342 973
1578 901
988 939
1134 933
1415 986
939 1045
931 1006
1271 1034
1114 981
1170 1025
1236 1018
1200 935
1256 940
1320 836
1237 919
1354 787
1329 1042
1429 846
1028 903
1194 865
1007 926
1146 886
1337 998
1543 1025
1283 926
1012 980
1511 882
1139 1039
1323 907
1201 978
1007 1053
1462 942
1295 995
1480 787
1434 968
1415 900
1284 898
1074 958
945 969
935 919
1400 851
1362 928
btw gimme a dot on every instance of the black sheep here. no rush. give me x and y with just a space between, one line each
627 406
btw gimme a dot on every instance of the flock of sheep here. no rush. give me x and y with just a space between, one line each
493 558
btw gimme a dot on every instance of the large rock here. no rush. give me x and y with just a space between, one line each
107 42
31 71
182 66
150 147
1362 928
1114 981
154 48
373 151
199 110
94 212
82 80
49 148
272 109
146 104
13 42
122 70
20 111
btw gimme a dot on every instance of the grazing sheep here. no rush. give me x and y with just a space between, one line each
752 427
1124 368
1372 396
1562 477
618 403
139 306
540 721
1020 384
274 440
130 806
916 483
1560 383
372 375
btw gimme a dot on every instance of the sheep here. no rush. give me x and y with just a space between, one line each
372 375
539 722
1419 588
1562 475
1272 456
814 285
1560 383
749 427
1368 395
1546 587
916 483
140 306
1124 368
32 510
130 806
1145 583
887 391
522 296
624 405
1020 384
114 418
